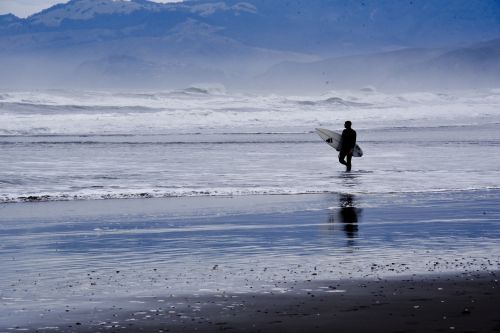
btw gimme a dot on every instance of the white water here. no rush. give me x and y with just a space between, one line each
64 145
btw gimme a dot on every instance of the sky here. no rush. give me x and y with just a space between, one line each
24 8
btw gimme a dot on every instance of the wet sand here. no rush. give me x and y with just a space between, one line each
432 303
325 263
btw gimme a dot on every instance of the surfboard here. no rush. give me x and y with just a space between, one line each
334 139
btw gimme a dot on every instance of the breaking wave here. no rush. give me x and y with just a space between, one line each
30 108
333 101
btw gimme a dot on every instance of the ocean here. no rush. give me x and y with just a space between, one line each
83 145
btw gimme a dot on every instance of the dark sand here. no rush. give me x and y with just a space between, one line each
433 303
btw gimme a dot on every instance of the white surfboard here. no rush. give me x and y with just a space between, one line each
334 139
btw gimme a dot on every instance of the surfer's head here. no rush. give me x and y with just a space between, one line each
347 124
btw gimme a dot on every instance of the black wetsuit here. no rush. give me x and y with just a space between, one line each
347 145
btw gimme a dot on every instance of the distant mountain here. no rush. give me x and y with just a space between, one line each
8 20
474 66
310 26
233 41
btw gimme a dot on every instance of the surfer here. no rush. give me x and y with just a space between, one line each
344 143
347 145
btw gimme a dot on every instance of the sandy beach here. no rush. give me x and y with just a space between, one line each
438 303
333 262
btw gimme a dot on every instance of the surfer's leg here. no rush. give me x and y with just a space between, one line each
342 156
348 164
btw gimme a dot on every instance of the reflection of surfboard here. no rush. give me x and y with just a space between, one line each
333 140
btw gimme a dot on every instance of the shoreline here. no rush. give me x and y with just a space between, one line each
182 204
34 199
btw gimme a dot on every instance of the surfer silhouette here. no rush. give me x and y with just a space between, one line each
344 143
347 145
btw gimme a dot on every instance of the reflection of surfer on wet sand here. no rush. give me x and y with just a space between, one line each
348 215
